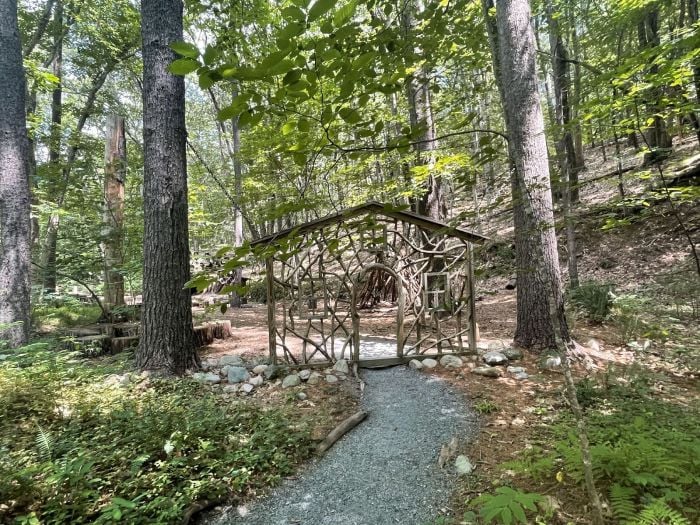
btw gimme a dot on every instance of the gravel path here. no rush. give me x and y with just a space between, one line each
385 470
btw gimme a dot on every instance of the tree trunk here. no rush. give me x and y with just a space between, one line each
236 300
113 214
167 338
15 230
693 16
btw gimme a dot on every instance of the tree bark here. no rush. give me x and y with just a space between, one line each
167 339
236 299
15 230
113 213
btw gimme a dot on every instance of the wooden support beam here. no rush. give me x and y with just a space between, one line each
271 321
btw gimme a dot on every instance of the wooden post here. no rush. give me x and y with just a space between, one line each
355 322
400 314
271 322
472 299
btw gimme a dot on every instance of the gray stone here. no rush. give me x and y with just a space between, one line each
314 378
550 362
231 389
515 369
429 363
272 372
291 380
209 363
224 370
513 354
342 367
259 369
451 361
463 466
237 374
487 371
304 374
495 358
301 396
415 364
521 375
247 388
232 360
331 379
256 380
206 378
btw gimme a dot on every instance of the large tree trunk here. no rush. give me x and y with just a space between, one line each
15 230
113 213
167 341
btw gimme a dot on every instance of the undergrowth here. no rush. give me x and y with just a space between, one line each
75 447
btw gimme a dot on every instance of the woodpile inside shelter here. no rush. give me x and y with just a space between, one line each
322 274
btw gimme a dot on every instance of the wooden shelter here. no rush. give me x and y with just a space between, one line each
320 274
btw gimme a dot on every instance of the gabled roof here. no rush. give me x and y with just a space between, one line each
376 208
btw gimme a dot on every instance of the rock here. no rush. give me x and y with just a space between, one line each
550 362
121 379
231 389
463 465
331 379
224 370
515 369
259 369
301 396
495 358
429 363
521 375
209 363
256 380
291 380
206 378
487 371
451 361
314 378
247 388
593 345
342 367
513 354
305 374
415 364
272 372
517 422
237 374
232 360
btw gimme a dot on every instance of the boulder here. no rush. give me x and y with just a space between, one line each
331 379
291 380
314 378
451 361
232 360
463 465
259 369
495 358
429 363
206 378
305 374
513 354
256 380
237 374
487 371
341 366
415 364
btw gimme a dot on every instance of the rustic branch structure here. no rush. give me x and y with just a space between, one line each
321 274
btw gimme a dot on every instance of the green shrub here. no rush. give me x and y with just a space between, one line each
75 448
506 506
594 300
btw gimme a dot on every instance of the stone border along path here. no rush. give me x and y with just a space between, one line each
385 470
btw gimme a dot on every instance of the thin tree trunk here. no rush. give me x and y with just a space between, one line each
15 231
238 191
167 338
693 16
113 214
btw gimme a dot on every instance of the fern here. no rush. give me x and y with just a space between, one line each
622 502
659 513
507 506
45 443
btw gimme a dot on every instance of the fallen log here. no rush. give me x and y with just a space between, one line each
343 428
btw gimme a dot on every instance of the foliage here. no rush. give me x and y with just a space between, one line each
56 311
486 407
593 299
506 506
77 448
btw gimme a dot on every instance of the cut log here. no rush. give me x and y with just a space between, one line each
119 344
339 431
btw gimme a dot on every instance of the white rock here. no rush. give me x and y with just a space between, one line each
256 380
247 388
341 366
463 465
331 379
451 361
301 396
429 363
206 378
291 380
515 369
521 375
495 358
415 364
259 369
304 374
593 345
